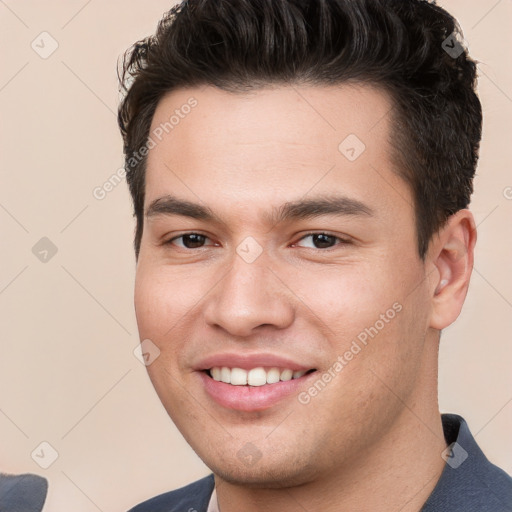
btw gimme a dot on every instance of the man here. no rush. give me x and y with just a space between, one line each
301 172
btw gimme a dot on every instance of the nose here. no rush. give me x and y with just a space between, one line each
248 297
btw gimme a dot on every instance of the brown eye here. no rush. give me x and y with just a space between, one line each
189 240
322 240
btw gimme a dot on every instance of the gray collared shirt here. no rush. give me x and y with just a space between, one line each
22 493
469 482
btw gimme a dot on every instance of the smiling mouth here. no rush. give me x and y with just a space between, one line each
258 376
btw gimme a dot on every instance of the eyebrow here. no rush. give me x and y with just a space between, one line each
301 209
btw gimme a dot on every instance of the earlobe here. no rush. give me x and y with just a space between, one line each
452 257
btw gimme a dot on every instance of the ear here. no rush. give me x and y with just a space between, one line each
451 255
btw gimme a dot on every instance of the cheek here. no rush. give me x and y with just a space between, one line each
148 309
373 317
168 302
163 299
347 299
158 308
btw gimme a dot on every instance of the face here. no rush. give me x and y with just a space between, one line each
279 246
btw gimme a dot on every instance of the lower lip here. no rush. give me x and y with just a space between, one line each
251 398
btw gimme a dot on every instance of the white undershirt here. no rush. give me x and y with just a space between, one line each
213 506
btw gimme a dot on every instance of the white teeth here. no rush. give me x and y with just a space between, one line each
286 375
273 375
238 377
225 375
257 377
254 377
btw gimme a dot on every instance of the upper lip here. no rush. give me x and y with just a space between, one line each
249 361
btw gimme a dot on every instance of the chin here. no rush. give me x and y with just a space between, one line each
275 475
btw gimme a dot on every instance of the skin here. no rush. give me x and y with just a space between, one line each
372 438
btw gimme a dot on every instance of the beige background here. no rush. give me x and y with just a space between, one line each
68 375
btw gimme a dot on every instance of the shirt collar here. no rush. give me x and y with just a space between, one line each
468 481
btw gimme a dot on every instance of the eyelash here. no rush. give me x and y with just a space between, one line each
342 241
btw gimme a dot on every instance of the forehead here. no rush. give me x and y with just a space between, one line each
291 114
272 144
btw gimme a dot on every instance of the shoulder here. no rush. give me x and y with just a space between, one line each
469 480
25 492
191 498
